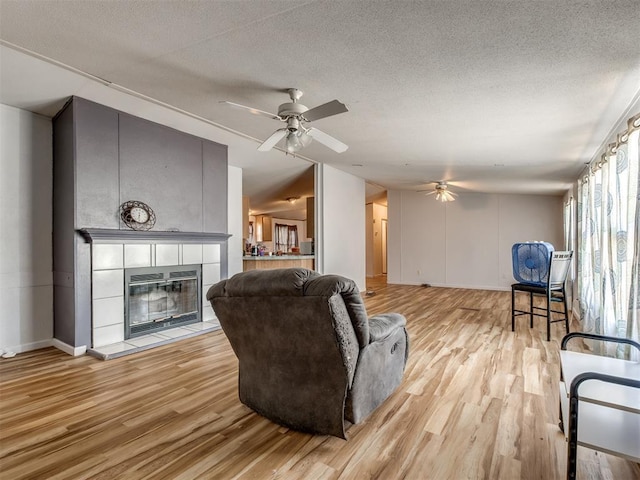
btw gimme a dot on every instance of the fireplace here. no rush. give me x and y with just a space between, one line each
161 297
158 277
102 158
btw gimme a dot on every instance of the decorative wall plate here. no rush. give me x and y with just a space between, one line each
137 215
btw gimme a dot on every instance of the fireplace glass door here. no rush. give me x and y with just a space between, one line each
160 298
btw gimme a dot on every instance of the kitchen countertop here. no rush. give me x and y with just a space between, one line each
279 257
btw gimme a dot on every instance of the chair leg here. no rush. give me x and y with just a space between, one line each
548 315
566 311
513 308
530 310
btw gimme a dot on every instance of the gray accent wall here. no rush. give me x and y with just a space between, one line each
215 182
97 171
163 168
104 157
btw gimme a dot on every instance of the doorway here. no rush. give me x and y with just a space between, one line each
383 246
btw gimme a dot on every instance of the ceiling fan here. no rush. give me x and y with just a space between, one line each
441 192
296 115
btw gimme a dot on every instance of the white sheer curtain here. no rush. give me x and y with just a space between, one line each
286 237
282 237
609 246
569 245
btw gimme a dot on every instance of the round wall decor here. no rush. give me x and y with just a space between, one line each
137 215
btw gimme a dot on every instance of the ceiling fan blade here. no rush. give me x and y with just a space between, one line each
254 111
270 142
327 140
333 107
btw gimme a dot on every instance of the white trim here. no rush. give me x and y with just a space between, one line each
75 351
26 347
319 217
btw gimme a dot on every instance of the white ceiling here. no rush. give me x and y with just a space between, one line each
505 96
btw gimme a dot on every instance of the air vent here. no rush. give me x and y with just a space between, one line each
147 277
186 273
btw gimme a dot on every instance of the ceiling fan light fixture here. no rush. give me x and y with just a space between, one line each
293 142
442 194
296 141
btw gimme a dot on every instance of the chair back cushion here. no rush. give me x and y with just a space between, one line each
295 342
264 283
329 285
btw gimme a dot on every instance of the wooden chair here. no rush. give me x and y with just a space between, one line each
553 291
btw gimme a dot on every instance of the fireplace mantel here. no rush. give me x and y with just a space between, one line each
109 235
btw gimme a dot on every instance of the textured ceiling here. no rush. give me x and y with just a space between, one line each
507 96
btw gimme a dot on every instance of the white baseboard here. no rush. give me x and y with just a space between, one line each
75 351
466 287
26 347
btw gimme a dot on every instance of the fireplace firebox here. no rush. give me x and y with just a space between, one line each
159 298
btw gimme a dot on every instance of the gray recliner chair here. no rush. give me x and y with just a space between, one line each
309 357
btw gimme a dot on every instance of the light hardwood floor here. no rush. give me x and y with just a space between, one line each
477 401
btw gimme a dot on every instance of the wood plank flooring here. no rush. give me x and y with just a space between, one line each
477 402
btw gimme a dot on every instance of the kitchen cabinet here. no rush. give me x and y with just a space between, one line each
263 228
311 217
245 217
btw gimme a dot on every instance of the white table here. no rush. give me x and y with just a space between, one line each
607 416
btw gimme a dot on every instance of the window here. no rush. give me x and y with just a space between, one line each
286 237
250 240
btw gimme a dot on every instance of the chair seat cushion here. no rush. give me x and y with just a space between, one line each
556 292
526 287
381 326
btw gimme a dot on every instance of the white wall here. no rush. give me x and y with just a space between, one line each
466 243
234 219
26 278
340 246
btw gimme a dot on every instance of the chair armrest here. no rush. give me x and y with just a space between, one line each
381 326
574 397
593 336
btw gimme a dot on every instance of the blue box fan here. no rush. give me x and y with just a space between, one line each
531 262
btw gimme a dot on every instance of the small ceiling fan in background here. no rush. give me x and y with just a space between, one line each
296 116
442 192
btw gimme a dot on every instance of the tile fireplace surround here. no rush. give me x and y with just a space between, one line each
113 251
